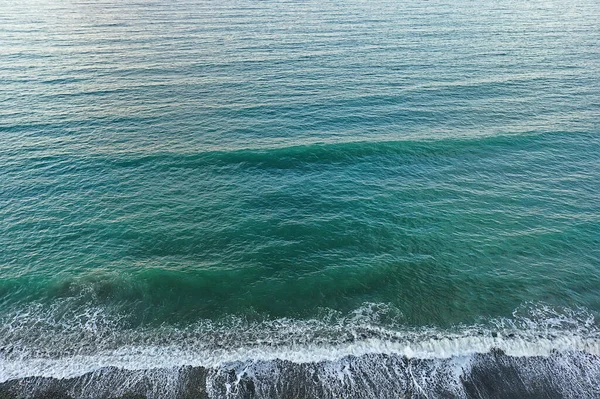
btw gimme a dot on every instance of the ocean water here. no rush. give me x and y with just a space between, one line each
300 199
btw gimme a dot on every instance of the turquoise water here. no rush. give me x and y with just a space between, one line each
209 182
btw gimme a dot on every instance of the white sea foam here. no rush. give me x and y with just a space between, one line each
34 342
153 357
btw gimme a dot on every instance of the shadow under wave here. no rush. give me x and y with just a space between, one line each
337 152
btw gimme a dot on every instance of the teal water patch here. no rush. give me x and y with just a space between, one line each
445 230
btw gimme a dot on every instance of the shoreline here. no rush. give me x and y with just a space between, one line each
489 375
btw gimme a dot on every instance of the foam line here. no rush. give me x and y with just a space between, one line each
34 343
153 357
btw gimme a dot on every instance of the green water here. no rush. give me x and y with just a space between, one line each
446 231
172 166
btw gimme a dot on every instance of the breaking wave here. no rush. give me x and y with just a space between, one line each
92 353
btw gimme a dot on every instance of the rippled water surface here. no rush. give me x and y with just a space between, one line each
280 188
